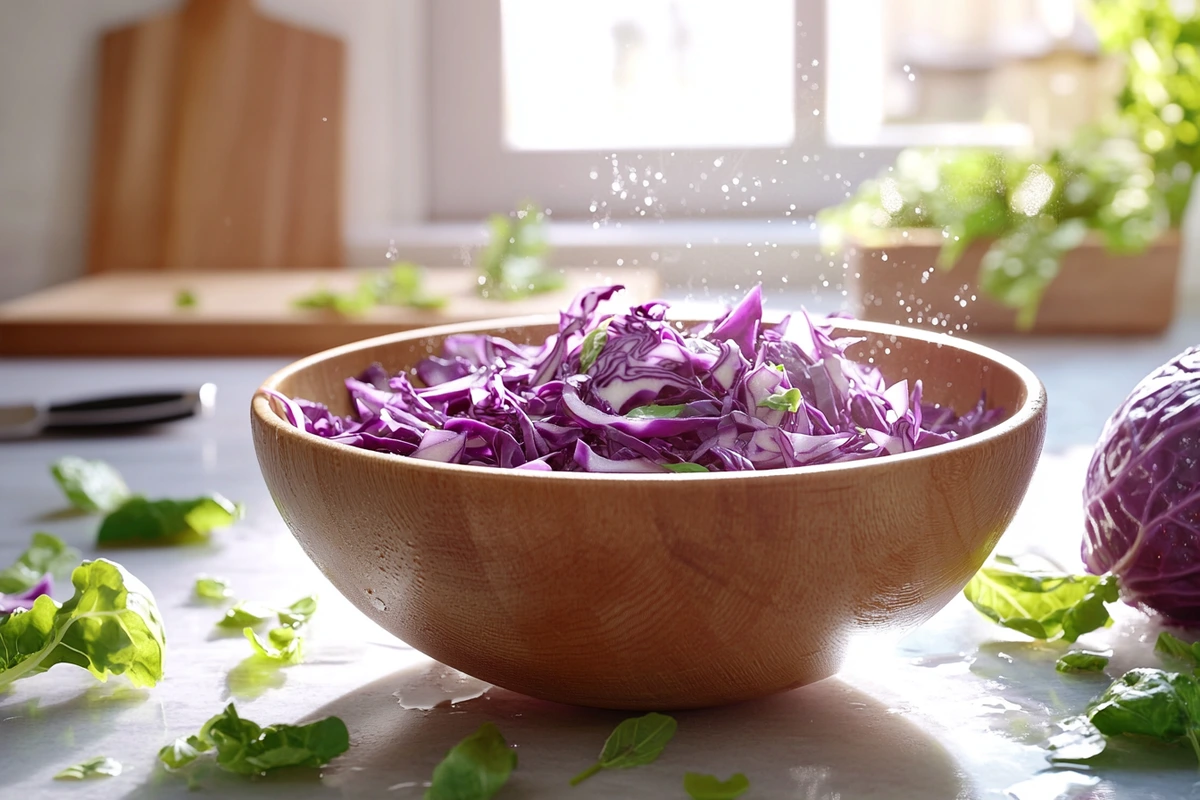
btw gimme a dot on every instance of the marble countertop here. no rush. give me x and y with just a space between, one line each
957 709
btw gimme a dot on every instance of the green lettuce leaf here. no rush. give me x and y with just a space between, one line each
1041 604
283 645
111 626
210 588
246 615
707 787
636 741
139 520
656 412
1176 647
1080 661
92 486
98 767
243 747
1153 703
782 401
593 345
46 553
475 768
686 466
299 612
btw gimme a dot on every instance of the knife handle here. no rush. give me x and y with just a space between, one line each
130 409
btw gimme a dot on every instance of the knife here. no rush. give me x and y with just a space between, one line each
108 412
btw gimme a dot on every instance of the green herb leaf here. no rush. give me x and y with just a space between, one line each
243 747
92 486
593 345
475 768
1080 661
1042 605
1174 646
246 615
210 588
98 767
183 751
783 401
656 412
707 787
283 646
139 520
1150 702
686 466
185 298
511 266
46 553
111 626
299 612
636 741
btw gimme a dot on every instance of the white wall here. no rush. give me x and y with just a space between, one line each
47 93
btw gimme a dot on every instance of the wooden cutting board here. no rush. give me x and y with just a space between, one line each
218 144
252 313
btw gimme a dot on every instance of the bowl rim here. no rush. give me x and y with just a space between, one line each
1033 407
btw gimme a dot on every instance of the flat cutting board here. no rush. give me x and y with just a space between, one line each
217 144
252 313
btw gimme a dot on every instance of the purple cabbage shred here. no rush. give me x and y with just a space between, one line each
633 392
24 600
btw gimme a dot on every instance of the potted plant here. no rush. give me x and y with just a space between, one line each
1083 238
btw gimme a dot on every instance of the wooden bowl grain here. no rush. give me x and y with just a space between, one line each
652 591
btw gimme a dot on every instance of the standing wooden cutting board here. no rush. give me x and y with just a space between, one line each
218 144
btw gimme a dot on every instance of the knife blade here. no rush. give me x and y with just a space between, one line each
112 412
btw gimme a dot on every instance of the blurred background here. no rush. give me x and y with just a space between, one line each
475 153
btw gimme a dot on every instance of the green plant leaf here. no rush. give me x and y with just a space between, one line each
282 646
299 612
46 554
511 266
246 614
98 767
111 626
635 742
210 588
686 466
241 746
1080 661
708 787
185 298
141 521
1170 645
475 768
92 486
593 345
1041 604
788 400
656 412
1150 702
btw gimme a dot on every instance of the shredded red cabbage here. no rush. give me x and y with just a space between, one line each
634 393
24 600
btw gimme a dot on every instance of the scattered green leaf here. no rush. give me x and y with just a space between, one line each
593 345
283 645
636 741
209 588
1080 661
788 400
708 787
111 626
1153 703
139 520
400 285
1041 604
185 298
686 466
475 768
46 553
299 612
98 767
1170 645
243 747
92 486
656 412
246 615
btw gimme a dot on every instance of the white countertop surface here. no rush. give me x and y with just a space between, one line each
957 709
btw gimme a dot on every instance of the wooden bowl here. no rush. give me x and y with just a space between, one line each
652 591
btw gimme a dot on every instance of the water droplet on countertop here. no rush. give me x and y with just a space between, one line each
439 686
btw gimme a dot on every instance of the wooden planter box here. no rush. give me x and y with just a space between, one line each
1095 291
